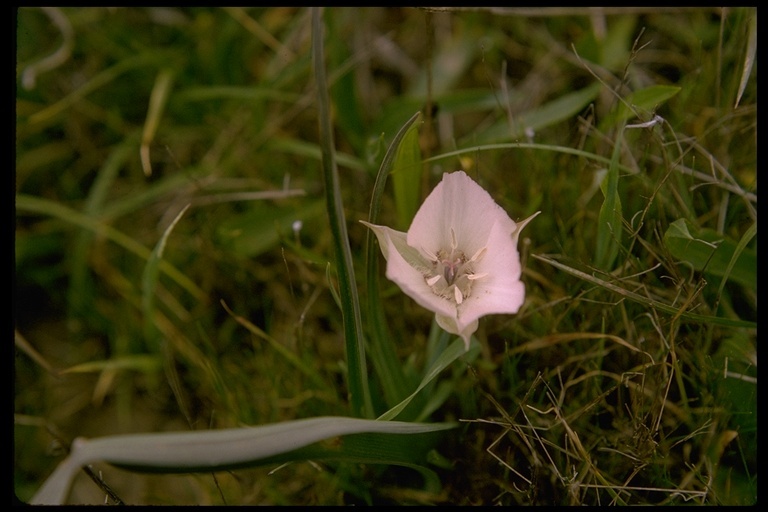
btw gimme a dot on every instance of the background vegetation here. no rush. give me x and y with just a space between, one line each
629 376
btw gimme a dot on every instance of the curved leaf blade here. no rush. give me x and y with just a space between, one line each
453 352
383 355
211 450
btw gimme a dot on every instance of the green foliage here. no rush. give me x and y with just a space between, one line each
609 228
406 177
629 376
252 233
709 252
445 358
357 369
639 103
392 378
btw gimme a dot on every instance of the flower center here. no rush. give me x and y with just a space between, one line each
451 274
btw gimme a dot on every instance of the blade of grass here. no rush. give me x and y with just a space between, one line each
45 207
522 145
429 399
357 378
279 347
79 294
236 93
57 58
666 308
640 104
103 78
706 178
139 362
749 58
157 101
384 358
745 239
149 280
308 149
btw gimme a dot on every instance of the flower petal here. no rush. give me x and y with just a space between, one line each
457 203
405 266
390 239
501 290
412 282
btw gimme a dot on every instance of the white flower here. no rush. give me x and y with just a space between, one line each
459 257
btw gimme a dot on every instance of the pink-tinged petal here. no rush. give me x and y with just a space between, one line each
412 282
501 290
457 203
404 267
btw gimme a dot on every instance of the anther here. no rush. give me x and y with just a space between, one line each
454 243
479 254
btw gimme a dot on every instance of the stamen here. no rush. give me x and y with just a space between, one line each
479 254
430 255
452 265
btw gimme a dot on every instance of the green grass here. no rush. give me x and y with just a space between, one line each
629 375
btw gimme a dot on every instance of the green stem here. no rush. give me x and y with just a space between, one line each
357 377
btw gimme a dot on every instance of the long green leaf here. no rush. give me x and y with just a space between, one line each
215 450
384 358
357 378
549 114
741 256
453 352
406 176
609 228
